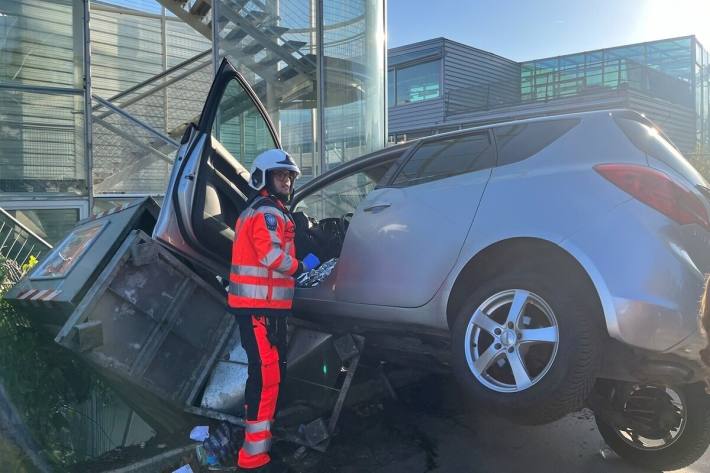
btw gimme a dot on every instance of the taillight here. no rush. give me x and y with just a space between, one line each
657 190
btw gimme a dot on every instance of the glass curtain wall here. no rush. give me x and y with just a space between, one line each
353 76
318 66
663 69
42 127
132 44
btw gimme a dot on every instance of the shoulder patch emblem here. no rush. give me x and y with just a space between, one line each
271 221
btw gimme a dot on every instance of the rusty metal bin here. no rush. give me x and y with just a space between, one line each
151 321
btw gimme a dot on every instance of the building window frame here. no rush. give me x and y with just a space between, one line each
53 204
438 56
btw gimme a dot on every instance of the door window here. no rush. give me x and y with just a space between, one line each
447 157
239 125
342 197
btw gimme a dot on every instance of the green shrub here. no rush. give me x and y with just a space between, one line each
42 380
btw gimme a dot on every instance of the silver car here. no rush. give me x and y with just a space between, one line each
550 263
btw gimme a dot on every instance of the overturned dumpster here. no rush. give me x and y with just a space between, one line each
156 329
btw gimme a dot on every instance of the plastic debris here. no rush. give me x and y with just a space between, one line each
205 458
221 446
184 469
200 433
315 276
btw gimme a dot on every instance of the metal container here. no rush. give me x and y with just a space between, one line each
150 321
54 289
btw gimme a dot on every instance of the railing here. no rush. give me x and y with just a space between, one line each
135 132
535 86
171 98
130 157
17 242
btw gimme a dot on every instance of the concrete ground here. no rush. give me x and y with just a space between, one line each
431 430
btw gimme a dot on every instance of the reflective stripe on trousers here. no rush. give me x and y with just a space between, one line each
262 388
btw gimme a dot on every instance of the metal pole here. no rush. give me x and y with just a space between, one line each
89 143
320 62
164 52
386 74
215 36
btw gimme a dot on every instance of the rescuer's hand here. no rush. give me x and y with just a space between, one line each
311 261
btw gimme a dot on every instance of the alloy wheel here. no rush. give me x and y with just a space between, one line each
511 341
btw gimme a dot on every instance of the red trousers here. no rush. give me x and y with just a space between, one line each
264 340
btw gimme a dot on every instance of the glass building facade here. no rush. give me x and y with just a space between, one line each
668 80
72 141
674 70
318 67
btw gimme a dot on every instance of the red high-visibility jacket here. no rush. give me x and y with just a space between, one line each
263 259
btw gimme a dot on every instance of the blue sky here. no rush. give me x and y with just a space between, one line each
532 29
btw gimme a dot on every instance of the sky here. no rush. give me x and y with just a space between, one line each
532 29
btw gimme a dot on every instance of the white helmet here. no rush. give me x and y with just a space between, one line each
270 159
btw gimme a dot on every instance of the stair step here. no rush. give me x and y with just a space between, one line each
276 30
256 15
235 4
253 48
287 73
295 45
268 61
200 8
236 35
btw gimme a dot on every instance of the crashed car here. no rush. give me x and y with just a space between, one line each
560 261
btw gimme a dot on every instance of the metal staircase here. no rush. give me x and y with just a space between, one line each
250 32
135 132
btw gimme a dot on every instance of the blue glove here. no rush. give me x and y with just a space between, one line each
311 261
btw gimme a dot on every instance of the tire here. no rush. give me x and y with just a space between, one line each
570 364
688 447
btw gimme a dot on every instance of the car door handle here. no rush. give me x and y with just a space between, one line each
379 206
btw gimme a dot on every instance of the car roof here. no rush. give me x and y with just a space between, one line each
397 149
546 118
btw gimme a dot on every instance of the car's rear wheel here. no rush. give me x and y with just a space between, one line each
526 343
659 427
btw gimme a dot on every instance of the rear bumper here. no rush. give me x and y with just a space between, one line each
648 278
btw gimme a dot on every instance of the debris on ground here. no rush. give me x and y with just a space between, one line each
184 469
200 433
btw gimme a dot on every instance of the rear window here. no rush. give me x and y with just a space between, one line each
651 141
519 142
448 157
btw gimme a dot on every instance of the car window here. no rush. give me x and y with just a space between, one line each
344 195
519 142
239 125
654 143
447 157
